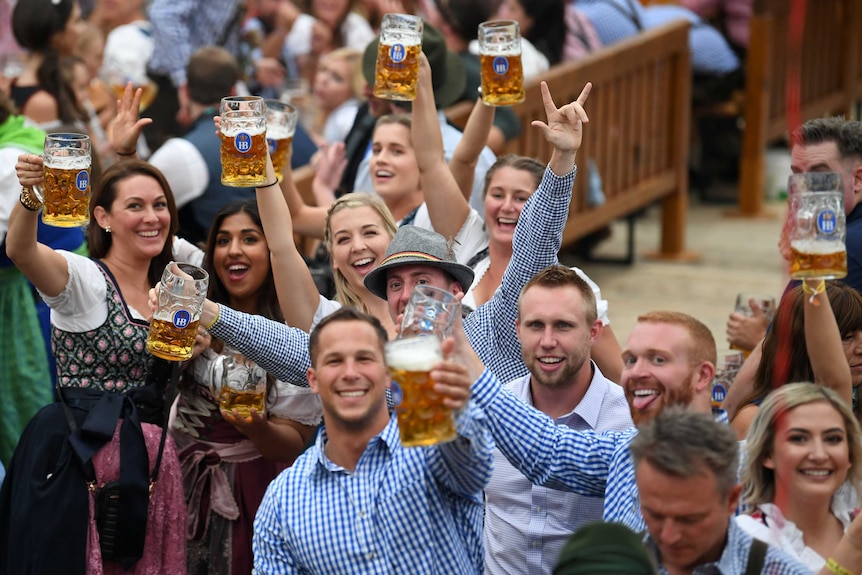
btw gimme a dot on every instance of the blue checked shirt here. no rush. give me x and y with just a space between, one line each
402 510
283 351
182 26
589 463
734 558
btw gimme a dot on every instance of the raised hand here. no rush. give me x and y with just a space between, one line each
127 125
564 127
29 170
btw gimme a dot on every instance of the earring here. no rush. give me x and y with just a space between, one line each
107 229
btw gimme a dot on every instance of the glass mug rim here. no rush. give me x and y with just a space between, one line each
194 269
499 23
792 180
67 137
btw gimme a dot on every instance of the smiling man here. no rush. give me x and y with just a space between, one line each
669 359
360 502
526 526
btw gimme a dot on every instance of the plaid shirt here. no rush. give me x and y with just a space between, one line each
734 557
402 510
283 351
588 463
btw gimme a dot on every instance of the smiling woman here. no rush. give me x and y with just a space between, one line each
803 472
212 440
99 316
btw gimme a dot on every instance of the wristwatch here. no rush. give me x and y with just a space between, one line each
28 199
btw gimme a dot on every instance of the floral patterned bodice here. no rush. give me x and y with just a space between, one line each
112 357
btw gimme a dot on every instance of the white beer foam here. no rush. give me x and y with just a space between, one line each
250 127
820 247
277 133
68 162
414 354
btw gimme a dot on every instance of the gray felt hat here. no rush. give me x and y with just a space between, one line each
410 246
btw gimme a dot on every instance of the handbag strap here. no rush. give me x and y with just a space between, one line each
756 557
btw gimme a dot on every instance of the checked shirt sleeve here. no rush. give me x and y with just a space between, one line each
279 349
538 237
547 454
272 555
465 464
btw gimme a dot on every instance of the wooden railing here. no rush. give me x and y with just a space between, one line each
638 133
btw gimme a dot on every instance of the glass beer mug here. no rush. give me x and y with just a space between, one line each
398 57
243 384
66 189
816 226
182 291
500 57
281 119
243 141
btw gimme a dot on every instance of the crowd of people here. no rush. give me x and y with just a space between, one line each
575 451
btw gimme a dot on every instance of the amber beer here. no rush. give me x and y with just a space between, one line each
168 341
66 189
817 259
501 69
281 120
148 92
181 293
398 57
242 401
243 155
422 417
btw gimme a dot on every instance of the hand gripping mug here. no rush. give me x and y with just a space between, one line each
281 119
182 291
66 191
243 141
429 317
500 57
398 57
817 226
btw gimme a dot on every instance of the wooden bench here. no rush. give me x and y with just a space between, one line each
829 67
638 133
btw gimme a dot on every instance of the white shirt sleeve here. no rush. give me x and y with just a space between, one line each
324 308
10 187
185 251
81 306
298 41
184 168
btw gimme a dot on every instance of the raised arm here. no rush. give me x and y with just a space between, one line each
824 342
447 207
538 237
466 155
44 267
298 297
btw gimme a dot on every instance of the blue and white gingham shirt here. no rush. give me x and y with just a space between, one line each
588 463
734 558
182 26
283 351
402 510
527 525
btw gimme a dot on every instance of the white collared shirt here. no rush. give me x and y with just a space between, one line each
526 525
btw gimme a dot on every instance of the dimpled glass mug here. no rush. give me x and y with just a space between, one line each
181 295
66 188
816 222
242 127
398 50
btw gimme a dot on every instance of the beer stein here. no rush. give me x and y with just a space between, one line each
243 384
430 310
281 121
243 141
66 189
766 303
729 363
398 57
500 56
817 226
116 75
181 295
423 419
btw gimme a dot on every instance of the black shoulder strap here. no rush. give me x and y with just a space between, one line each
756 557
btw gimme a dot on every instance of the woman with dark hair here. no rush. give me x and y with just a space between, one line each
48 30
554 27
111 403
228 460
814 337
